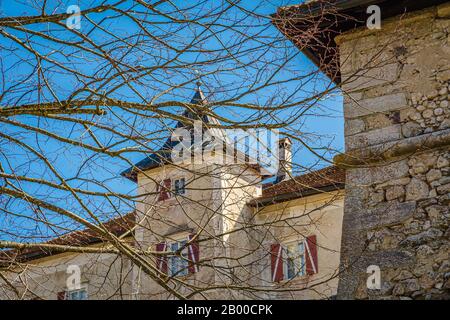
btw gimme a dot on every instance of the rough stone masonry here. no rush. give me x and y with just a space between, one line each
397 131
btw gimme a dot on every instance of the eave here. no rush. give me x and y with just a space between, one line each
331 19
267 201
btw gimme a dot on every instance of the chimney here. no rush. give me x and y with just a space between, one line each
284 159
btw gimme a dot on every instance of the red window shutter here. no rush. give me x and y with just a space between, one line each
312 265
193 255
164 189
61 295
161 261
168 187
160 190
276 254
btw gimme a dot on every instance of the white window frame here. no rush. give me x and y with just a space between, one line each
81 289
174 190
300 256
183 270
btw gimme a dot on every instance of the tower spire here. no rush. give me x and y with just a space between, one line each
199 97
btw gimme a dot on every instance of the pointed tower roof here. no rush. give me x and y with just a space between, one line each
163 155
199 97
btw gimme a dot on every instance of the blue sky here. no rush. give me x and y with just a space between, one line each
322 126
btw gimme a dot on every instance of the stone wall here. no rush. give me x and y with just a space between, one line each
396 83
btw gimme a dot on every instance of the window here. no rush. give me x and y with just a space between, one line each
179 186
293 259
164 190
178 265
167 187
80 294
184 262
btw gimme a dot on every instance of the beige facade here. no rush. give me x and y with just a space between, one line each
319 215
215 207
235 241
213 204
102 276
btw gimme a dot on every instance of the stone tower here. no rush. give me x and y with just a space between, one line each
396 84
397 134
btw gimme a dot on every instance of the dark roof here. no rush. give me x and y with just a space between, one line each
117 226
199 97
323 180
163 155
312 26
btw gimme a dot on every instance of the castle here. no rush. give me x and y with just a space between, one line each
384 203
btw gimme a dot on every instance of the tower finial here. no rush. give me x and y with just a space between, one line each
199 76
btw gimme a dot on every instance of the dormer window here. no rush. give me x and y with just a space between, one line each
179 186
168 187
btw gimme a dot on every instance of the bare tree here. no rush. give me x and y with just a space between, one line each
82 101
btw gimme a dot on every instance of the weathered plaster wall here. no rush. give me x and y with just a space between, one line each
319 215
214 205
238 185
170 219
221 195
105 276
397 84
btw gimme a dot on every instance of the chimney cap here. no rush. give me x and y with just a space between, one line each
284 140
